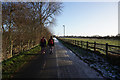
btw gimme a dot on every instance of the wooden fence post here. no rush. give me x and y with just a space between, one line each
69 41
106 49
87 44
75 42
81 44
72 41
94 46
78 43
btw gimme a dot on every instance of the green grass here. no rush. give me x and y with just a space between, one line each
102 41
12 65
82 52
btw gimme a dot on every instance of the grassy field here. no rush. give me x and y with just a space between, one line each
102 41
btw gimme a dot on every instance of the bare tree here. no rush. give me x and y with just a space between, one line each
24 23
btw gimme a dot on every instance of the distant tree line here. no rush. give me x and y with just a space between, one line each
24 23
117 37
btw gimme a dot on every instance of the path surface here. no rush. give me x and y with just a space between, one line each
62 64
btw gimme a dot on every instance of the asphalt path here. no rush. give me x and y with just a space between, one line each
63 63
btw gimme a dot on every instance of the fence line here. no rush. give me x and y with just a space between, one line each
17 49
106 48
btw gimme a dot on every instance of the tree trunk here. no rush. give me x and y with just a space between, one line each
28 44
11 49
21 46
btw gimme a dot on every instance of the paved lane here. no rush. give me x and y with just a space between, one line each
62 64
42 66
70 66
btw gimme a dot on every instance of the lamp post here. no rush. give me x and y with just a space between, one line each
64 30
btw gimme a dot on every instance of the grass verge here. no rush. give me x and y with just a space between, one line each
12 65
81 51
96 61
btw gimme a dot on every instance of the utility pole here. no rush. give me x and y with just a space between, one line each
64 30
